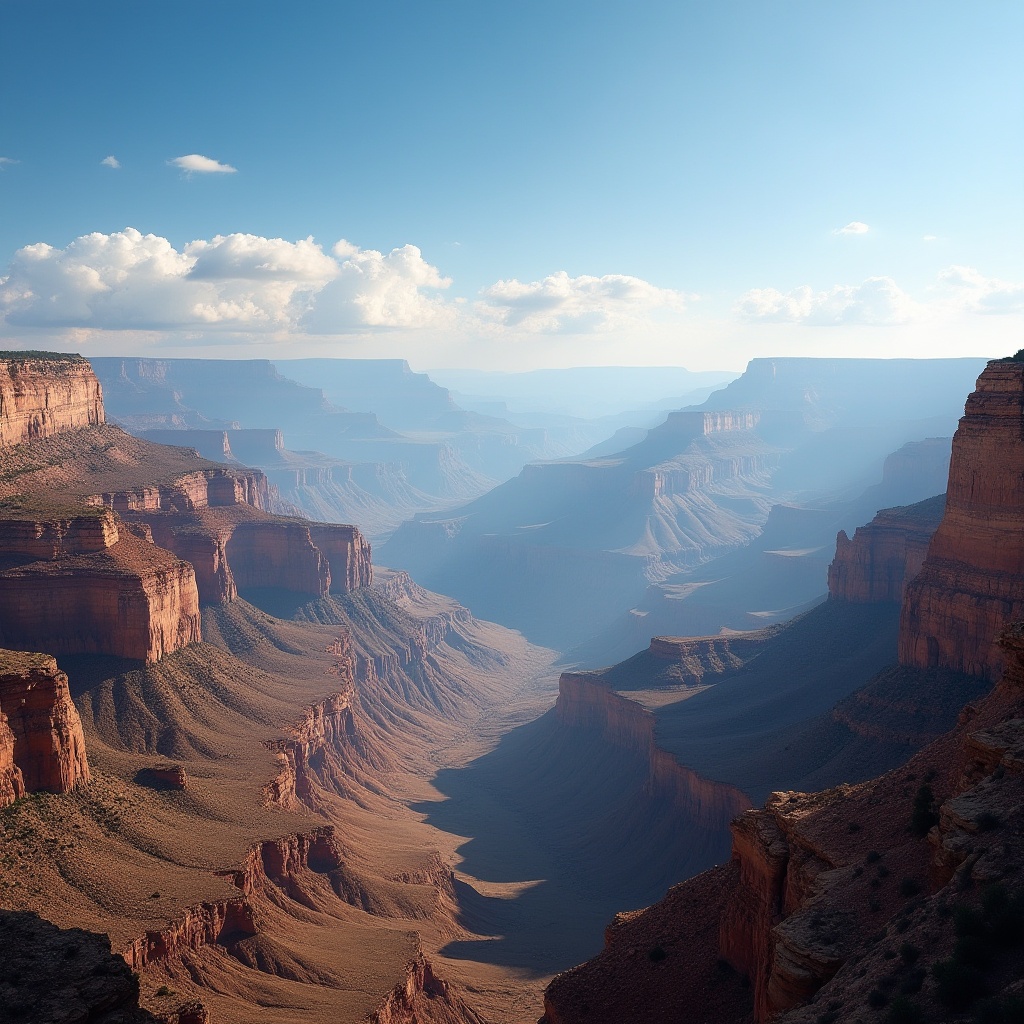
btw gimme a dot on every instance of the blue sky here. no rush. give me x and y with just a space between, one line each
582 182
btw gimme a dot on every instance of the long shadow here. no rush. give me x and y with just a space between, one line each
568 826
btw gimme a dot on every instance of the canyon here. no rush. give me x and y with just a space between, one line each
402 817
807 911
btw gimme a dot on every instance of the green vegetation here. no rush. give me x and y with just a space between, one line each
25 355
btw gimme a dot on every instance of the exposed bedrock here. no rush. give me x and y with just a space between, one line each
585 701
46 395
48 538
42 746
207 488
278 555
884 556
275 861
132 600
972 581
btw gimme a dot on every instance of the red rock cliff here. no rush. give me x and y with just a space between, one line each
972 581
44 736
45 395
884 556
131 600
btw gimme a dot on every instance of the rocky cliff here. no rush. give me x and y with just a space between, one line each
42 746
132 600
972 581
585 701
884 556
42 394
840 902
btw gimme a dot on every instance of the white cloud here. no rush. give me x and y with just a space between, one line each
193 163
876 301
111 161
969 289
929 238
563 304
127 280
376 290
5 160
855 227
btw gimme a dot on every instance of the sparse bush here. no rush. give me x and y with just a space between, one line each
656 954
883 871
904 1011
873 905
909 887
872 857
854 826
924 814
957 984
912 983
909 953
877 998
163 990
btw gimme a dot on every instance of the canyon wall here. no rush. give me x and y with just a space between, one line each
133 600
45 394
885 555
972 581
41 739
585 701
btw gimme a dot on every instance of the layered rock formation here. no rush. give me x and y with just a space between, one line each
884 556
972 581
132 600
42 746
43 393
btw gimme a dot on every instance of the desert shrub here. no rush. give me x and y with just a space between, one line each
656 954
163 990
872 857
909 887
909 953
957 984
924 814
877 998
904 1011
912 983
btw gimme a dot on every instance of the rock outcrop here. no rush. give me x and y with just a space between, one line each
972 581
585 701
132 600
884 556
43 393
42 746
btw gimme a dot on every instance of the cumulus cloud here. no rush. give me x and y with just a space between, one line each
111 161
372 289
127 280
560 303
855 227
971 290
876 301
194 163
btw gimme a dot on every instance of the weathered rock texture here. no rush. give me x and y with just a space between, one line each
884 556
132 600
42 746
586 701
836 902
972 581
63 976
45 394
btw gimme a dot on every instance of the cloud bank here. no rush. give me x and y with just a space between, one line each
876 301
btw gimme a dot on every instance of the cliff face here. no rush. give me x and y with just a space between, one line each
42 746
43 396
586 702
884 556
972 581
132 600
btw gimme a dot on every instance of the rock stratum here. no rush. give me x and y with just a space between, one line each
972 581
284 745
901 890
41 396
